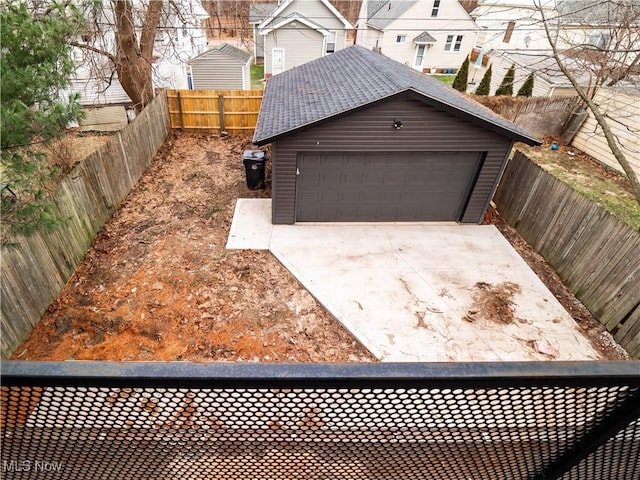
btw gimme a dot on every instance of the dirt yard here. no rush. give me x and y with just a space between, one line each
158 284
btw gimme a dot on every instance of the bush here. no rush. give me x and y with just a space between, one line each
526 90
485 84
36 63
462 77
506 87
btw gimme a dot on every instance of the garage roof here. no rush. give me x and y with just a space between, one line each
353 78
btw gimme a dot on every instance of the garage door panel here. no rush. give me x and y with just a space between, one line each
384 186
332 160
370 196
394 178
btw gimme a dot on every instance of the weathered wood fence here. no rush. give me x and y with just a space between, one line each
216 110
595 254
36 268
540 116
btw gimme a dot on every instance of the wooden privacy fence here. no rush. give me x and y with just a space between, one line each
540 116
36 268
595 254
231 111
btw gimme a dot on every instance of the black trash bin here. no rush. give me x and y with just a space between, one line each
254 165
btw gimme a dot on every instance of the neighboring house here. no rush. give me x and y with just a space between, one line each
518 25
512 24
549 81
587 24
258 12
223 67
179 37
427 35
594 22
622 110
375 140
298 31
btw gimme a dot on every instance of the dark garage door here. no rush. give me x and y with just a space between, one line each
384 186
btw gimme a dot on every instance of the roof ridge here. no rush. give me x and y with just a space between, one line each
382 67
353 78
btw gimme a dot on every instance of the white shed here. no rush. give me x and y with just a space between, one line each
223 67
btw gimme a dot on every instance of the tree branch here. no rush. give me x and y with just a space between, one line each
91 48
149 28
625 73
595 110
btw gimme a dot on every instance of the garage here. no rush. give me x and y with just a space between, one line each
384 186
358 137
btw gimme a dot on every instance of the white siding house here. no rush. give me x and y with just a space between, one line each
622 109
428 35
223 67
180 37
549 81
298 31
512 24
258 12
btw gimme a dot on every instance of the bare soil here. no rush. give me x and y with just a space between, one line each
158 283
493 302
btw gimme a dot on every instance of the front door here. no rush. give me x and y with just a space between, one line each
278 61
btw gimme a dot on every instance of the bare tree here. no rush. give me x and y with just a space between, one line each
605 55
125 38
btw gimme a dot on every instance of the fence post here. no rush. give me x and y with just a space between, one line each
221 112
180 110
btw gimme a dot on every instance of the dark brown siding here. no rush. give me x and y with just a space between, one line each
425 129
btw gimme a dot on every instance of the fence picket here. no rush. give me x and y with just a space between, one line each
35 269
218 110
594 253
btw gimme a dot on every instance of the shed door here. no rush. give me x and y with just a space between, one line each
385 186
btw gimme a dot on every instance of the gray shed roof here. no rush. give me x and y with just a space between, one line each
352 78
229 50
259 11
381 14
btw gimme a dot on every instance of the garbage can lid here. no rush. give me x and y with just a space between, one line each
254 155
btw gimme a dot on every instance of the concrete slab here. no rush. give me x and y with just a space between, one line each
251 225
410 292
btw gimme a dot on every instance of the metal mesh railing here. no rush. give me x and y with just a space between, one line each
375 421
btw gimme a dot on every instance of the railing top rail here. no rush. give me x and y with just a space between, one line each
323 375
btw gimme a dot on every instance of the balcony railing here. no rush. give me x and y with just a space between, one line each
94 420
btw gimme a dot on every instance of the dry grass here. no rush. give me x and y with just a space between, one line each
604 186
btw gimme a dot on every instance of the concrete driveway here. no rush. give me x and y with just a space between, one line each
420 292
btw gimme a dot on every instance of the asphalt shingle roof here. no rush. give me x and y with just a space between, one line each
225 49
233 52
381 14
594 12
355 77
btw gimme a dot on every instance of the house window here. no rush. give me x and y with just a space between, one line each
331 43
436 7
401 39
509 32
599 39
453 43
420 55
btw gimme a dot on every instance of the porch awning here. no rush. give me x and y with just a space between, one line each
424 39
